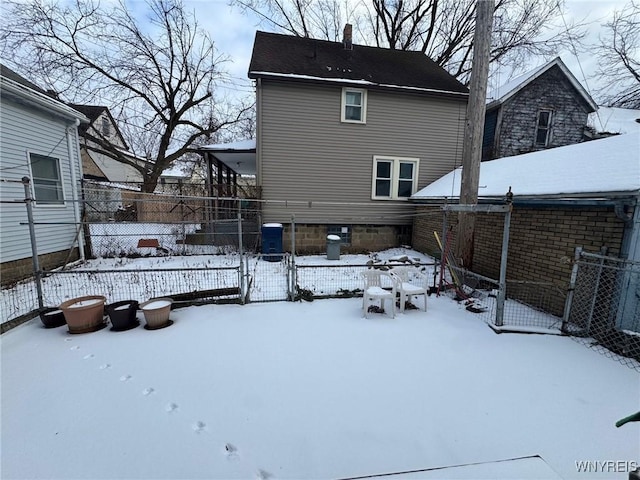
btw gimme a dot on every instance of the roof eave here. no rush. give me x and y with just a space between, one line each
360 83
39 100
593 198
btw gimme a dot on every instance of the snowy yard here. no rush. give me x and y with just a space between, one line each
310 390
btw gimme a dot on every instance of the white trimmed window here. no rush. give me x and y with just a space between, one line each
354 105
47 180
543 128
394 177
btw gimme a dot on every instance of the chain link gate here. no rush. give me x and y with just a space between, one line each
603 306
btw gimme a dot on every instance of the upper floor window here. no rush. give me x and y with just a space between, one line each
543 128
354 105
47 180
394 178
106 126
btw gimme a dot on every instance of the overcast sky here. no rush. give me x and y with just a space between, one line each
234 33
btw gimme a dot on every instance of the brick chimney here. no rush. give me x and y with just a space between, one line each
347 38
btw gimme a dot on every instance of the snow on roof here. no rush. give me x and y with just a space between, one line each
178 170
507 90
609 165
240 145
615 120
360 82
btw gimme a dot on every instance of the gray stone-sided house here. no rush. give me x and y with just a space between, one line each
346 134
544 108
38 140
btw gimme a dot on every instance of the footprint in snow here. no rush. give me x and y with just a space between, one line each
124 378
199 427
148 391
87 357
105 366
75 347
263 475
172 407
68 339
230 451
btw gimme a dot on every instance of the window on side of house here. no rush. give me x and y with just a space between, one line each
394 178
106 126
354 105
543 128
343 231
47 180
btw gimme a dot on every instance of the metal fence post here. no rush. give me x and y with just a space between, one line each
502 292
292 264
32 235
572 286
241 251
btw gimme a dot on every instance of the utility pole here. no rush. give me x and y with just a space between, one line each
474 127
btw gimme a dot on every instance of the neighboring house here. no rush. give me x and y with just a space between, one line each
544 108
579 195
98 166
346 134
38 140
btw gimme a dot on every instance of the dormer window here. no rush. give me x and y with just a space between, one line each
543 128
354 105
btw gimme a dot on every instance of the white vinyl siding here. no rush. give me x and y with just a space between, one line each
394 178
26 129
354 105
307 155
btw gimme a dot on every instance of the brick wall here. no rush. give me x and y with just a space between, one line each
542 241
552 91
312 238
17 270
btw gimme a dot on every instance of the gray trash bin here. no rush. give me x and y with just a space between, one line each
333 247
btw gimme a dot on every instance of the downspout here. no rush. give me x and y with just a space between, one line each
74 183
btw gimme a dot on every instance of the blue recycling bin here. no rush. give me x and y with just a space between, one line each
272 241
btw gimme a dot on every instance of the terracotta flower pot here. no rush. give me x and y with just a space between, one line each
84 314
156 313
123 315
52 317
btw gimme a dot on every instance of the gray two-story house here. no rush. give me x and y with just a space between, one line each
546 107
347 133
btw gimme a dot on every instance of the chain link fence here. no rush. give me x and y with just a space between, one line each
119 220
527 307
603 308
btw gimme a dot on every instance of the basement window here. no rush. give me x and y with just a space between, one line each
343 231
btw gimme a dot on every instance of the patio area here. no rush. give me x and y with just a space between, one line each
310 390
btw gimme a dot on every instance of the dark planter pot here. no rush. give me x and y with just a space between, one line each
52 317
123 315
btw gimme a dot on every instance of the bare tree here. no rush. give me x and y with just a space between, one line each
158 78
442 29
619 58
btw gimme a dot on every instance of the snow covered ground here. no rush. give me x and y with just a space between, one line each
310 390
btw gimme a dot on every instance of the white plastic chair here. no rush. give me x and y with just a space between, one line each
406 288
374 291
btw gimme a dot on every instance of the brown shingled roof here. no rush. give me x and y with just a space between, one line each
276 54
